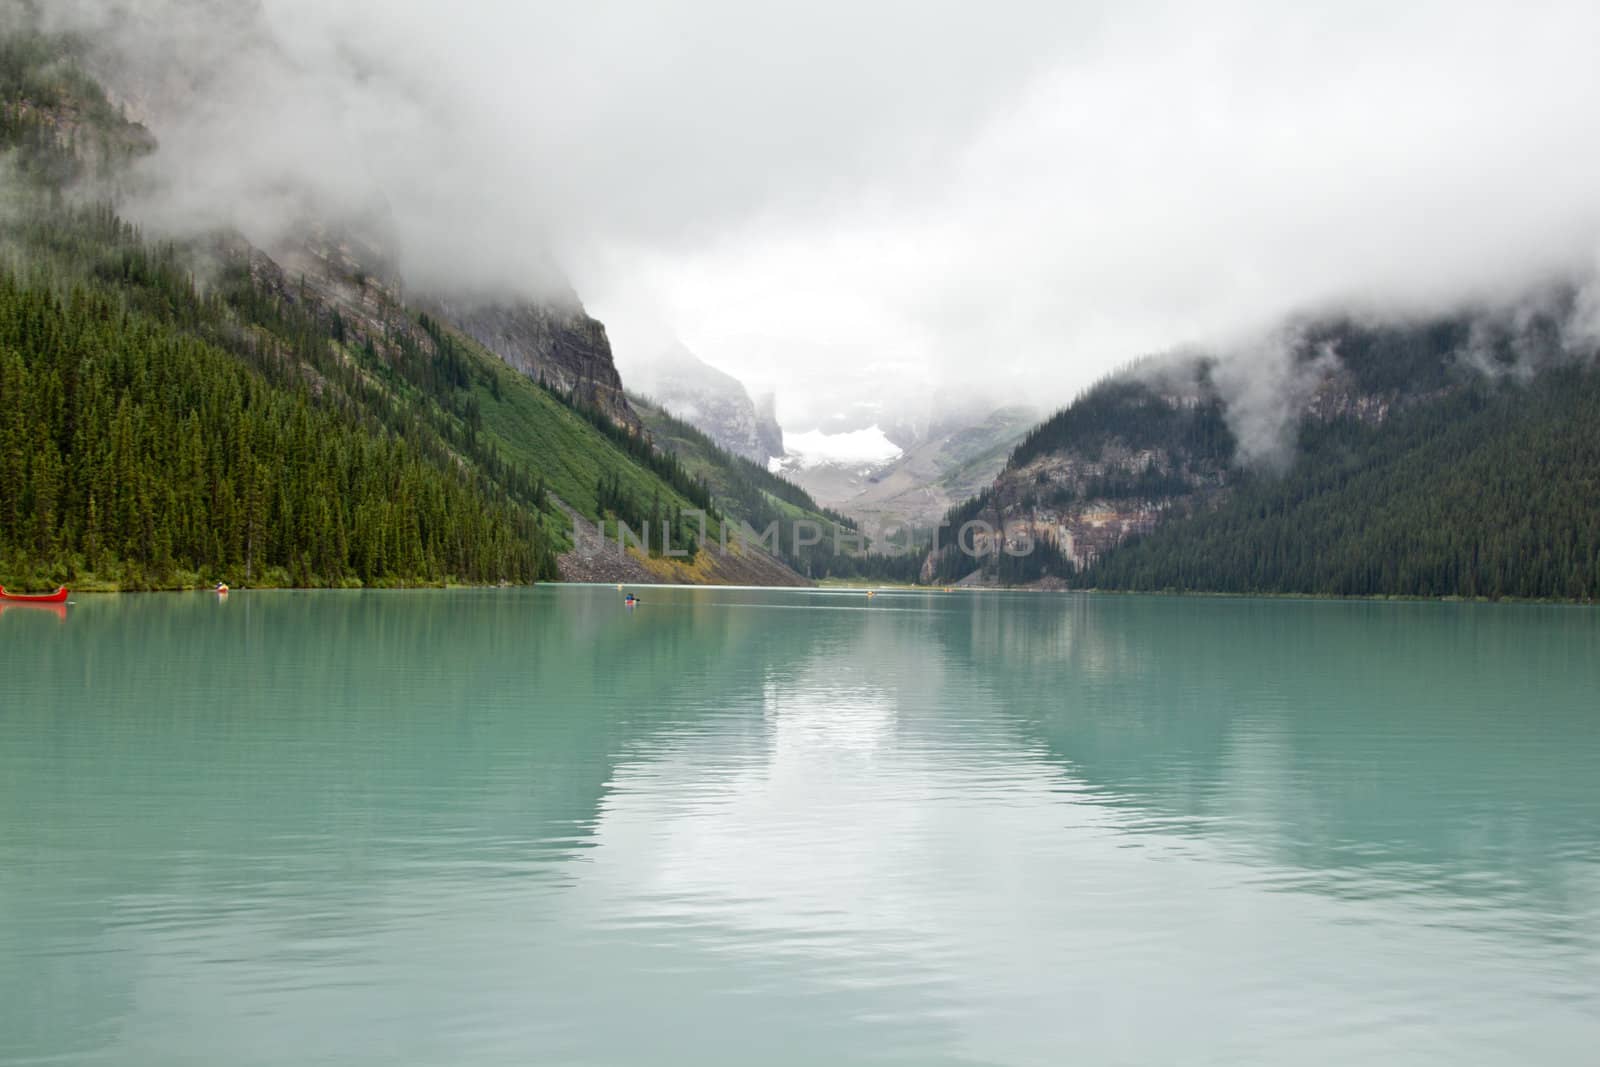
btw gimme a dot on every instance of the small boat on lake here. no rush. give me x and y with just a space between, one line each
58 597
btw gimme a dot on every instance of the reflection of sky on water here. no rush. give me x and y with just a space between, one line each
1005 830
1029 912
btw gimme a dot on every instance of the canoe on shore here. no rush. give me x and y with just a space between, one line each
58 597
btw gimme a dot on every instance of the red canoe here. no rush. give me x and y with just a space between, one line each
58 597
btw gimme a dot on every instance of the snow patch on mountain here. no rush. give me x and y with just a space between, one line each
814 448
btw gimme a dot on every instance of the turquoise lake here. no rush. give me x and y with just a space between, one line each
496 827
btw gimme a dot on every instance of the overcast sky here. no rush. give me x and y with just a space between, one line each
839 200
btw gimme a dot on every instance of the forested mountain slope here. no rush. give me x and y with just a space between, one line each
174 414
1494 491
1453 456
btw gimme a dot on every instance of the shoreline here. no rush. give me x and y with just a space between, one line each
851 585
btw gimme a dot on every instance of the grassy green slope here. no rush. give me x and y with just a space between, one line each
531 426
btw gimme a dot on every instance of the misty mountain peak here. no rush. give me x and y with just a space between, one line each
712 400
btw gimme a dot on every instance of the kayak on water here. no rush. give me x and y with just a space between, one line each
58 597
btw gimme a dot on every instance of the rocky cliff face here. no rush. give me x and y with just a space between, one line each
98 145
557 343
344 268
769 435
1114 465
341 276
713 401
1170 436
335 277
345 262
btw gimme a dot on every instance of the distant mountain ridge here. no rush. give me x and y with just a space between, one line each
742 487
1275 473
713 401
942 461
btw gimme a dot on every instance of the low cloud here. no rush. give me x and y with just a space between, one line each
1019 196
1266 388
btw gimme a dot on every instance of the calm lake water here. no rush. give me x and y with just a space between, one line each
755 827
